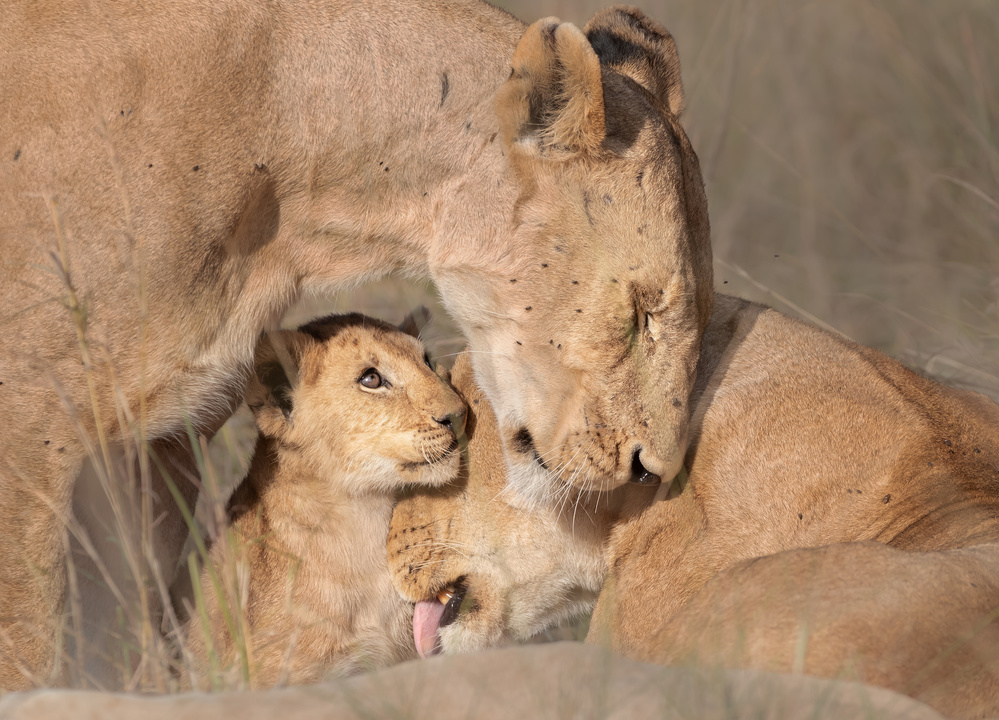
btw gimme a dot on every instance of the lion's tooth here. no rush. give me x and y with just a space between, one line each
446 595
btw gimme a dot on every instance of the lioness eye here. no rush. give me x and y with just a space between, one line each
370 379
426 359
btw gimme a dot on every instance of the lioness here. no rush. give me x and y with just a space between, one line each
301 589
176 174
840 518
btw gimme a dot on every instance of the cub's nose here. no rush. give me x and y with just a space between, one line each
454 421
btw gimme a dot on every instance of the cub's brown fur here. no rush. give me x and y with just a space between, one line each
176 174
299 588
840 518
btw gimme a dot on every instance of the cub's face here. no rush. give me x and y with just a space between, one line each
366 401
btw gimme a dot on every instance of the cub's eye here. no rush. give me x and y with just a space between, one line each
426 359
370 379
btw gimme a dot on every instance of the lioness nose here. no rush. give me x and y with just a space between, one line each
641 474
454 421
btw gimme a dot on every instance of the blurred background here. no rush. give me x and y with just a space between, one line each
851 159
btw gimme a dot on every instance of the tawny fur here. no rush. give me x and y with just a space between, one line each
298 587
177 174
840 518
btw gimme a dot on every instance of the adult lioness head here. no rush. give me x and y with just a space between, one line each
587 345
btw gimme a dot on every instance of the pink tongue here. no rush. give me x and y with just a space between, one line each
426 619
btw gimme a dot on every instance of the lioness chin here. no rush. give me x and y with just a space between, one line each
177 174
839 517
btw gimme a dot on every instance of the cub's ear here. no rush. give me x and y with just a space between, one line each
554 98
277 366
414 323
630 42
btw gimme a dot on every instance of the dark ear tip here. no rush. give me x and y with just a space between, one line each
634 17
638 46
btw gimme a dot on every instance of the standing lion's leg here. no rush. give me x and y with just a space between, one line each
35 491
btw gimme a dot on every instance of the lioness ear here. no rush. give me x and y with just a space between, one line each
554 98
414 323
271 390
627 40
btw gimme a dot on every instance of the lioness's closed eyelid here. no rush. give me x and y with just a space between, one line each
653 325
649 305
640 317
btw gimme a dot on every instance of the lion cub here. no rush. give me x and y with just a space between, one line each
297 587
